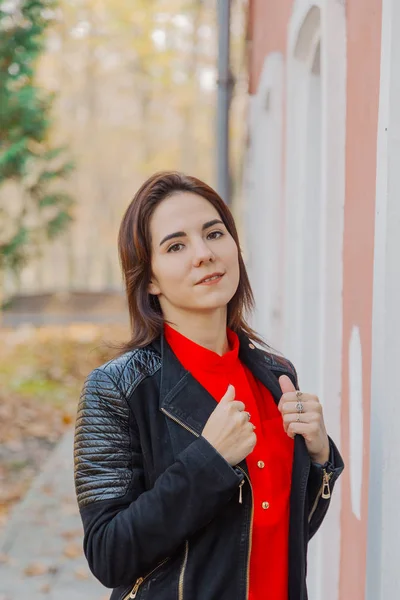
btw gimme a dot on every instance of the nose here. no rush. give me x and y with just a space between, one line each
202 253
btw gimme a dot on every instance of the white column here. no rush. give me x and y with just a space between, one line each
264 200
314 235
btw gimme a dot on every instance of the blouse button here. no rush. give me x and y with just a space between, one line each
260 464
265 505
252 346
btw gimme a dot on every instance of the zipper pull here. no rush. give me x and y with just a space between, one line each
326 492
241 484
136 587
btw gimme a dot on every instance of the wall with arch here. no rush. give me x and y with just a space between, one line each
265 209
330 53
314 207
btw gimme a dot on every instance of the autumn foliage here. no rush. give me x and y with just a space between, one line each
41 376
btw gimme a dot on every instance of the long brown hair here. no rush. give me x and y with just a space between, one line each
134 245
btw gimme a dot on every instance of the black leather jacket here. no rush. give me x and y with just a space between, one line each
160 506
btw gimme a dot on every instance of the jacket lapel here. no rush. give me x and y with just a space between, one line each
182 397
186 400
257 362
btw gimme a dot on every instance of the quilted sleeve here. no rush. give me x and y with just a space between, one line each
102 443
128 530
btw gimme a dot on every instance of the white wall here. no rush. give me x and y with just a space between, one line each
264 200
383 580
314 199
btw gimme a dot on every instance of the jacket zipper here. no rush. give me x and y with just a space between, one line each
183 569
240 500
134 591
324 492
179 422
241 484
251 524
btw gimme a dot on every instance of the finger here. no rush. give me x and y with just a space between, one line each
308 406
245 416
290 407
292 397
229 394
286 384
308 430
299 418
288 397
241 416
238 405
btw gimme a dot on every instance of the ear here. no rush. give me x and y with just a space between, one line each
153 288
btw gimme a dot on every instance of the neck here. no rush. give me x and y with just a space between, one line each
206 329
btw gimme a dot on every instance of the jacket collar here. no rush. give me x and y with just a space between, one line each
186 400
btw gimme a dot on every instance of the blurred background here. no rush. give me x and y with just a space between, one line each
290 110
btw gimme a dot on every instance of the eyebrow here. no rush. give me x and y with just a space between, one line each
179 234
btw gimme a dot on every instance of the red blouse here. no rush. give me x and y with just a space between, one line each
269 465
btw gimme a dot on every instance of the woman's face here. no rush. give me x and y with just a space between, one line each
189 242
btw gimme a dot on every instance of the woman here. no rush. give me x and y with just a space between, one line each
201 470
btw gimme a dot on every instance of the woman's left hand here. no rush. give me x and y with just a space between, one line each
311 424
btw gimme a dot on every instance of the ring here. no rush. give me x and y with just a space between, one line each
299 394
300 407
298 418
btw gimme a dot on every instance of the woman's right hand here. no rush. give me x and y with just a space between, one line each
229 430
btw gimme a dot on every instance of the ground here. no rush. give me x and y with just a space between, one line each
41 375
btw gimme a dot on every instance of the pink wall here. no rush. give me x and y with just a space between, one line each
268 29
268 33
363 83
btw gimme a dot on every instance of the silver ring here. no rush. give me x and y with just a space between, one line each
299 407
298 418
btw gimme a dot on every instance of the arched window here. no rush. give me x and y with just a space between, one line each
314 204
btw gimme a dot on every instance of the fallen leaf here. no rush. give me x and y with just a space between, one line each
72 550
35 569
42 373
81 573
47 489
45 589
72 533
67 419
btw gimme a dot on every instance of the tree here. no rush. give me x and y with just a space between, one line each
30 166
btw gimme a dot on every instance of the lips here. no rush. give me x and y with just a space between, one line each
209 277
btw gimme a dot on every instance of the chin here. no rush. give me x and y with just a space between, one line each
215 303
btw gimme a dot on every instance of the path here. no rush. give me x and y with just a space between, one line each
41 554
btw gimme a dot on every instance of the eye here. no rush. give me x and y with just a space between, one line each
214 235
174 248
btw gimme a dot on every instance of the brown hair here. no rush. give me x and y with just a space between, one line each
134 245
